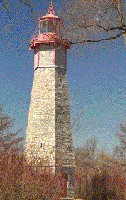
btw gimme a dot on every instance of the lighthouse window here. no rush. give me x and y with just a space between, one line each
40 27
58 28
51 26
43 27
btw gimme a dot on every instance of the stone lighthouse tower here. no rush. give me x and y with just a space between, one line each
48 135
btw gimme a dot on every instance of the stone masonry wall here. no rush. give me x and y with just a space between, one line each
40 135
64 149
48 134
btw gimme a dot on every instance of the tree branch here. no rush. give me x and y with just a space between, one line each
29 5
122 28
6 6
118 7
99 40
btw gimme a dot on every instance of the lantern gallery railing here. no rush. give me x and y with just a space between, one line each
47 38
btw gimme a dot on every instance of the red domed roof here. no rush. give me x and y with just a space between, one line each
50 14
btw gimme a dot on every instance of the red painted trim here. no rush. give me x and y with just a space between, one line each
49 18
57 41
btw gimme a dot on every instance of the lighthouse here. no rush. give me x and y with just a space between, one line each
49 134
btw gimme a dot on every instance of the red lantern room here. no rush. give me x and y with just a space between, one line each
49 32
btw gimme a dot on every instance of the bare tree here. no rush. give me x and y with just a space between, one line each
8 139
10 158
94 20
103 178
6 4
86 155
120 150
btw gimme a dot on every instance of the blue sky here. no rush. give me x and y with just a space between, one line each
96 78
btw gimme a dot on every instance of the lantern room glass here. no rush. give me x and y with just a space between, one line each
42 27
52 26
